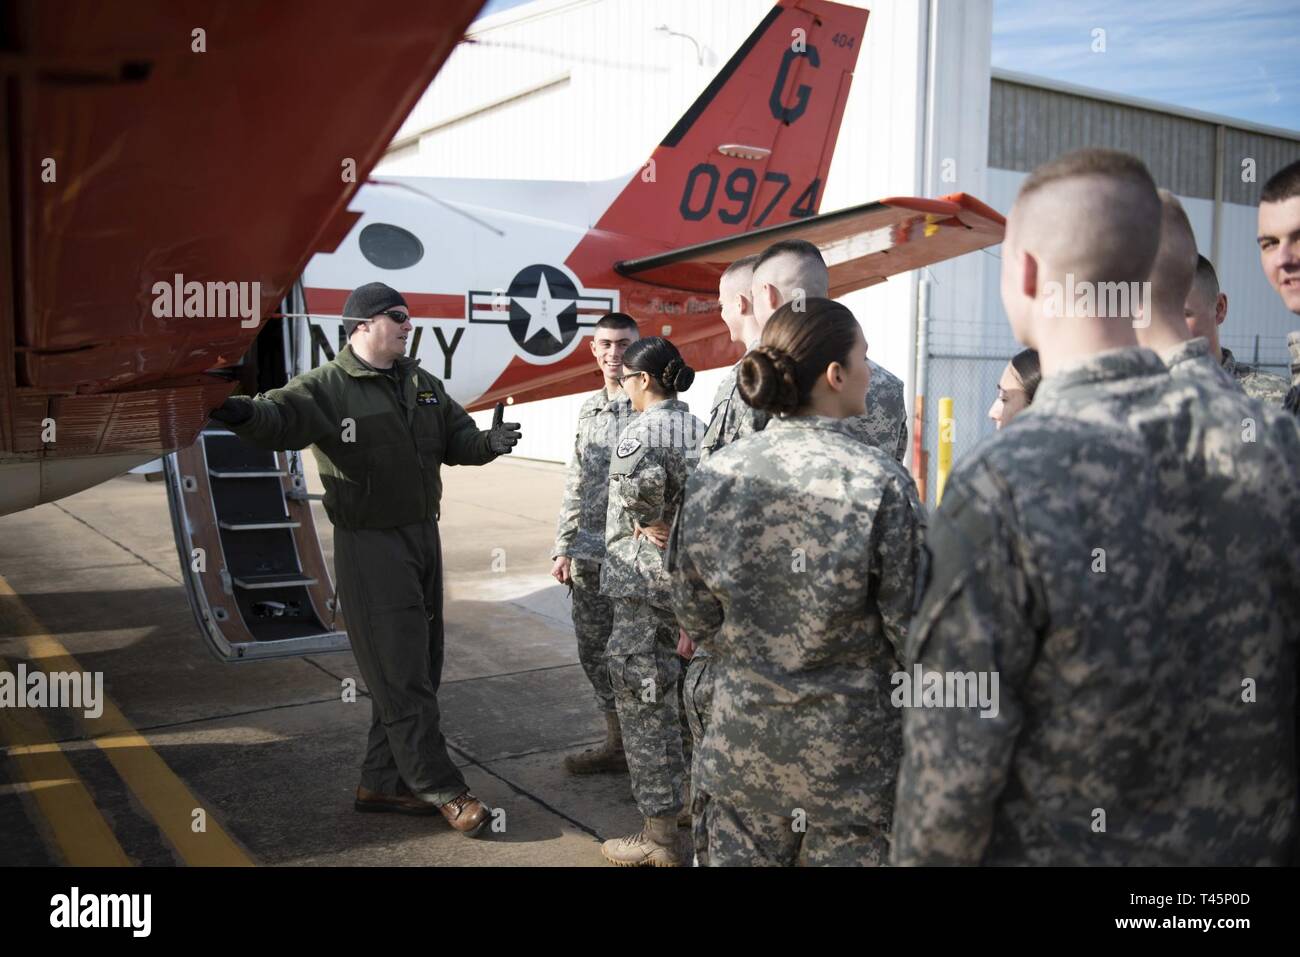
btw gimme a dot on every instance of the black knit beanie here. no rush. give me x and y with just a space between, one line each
368 301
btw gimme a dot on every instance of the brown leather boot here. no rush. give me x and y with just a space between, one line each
608 758
404 802
465 813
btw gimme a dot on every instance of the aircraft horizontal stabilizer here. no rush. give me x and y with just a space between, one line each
862 245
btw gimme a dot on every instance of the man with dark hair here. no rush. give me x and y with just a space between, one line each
1077 559
1204 312
381 428
580 537
1279 254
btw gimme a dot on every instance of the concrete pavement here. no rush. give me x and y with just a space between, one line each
269 751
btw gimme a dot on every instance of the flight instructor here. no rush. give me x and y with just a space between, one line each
381 428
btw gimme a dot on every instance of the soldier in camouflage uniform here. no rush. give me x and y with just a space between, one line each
1279 253
1265 386
1163 325
735 296
647 478
793 267
1077 557
580 537
804 612
729 417
1016 388
1206 309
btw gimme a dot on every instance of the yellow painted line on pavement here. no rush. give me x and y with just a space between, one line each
169 802
79 829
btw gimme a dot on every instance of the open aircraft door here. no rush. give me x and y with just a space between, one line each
249 549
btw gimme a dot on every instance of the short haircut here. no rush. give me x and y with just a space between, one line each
1175 267
1093 213
799 248
740 265
1206 278
1282 185
791 265
1088 162
618 320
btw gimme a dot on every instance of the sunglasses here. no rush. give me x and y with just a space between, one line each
623 378
393 314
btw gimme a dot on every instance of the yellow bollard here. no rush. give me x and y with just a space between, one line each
945 448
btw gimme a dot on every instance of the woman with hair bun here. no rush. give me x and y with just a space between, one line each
795 559
647 478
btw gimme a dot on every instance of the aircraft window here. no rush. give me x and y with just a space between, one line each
390 247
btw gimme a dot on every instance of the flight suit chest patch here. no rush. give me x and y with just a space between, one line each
426 398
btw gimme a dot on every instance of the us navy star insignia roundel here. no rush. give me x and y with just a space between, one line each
628 447
545 310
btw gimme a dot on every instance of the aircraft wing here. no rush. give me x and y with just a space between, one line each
862 245
162 143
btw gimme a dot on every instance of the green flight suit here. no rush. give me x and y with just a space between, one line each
380 438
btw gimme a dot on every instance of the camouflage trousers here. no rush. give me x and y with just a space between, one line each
738 837
697 701
593 618
643 672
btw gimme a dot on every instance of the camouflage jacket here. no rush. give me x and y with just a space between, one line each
794 566
1264 386
884 425
731 416
581 528
647 478
1123 557
1192 360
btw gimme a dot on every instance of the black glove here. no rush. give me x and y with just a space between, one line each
232 413
503 438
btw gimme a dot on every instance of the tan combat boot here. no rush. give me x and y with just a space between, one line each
608 758
656 845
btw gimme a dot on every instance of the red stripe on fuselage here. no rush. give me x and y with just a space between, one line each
421 305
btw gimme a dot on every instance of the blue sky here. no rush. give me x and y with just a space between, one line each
1240 58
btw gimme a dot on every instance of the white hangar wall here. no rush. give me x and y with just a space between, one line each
585 89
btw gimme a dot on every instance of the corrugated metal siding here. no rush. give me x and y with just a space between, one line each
1029 126
1270 154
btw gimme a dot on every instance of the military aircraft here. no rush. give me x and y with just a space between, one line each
182 177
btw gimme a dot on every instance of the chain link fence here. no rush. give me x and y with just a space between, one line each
969 376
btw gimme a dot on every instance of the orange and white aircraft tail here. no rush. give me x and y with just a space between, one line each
506 279
754 148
